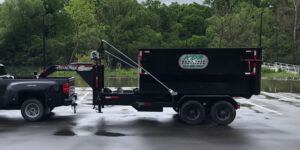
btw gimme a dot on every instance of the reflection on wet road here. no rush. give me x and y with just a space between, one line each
267 121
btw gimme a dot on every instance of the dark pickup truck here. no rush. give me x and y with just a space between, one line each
36 97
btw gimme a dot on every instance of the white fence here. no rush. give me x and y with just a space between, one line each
287 67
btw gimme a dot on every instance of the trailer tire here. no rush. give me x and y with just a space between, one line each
32 110
192 112
223 113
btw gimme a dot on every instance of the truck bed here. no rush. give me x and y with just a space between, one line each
10 88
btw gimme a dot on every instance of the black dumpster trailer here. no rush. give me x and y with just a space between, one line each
195 82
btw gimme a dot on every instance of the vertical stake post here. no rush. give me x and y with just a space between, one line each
260 32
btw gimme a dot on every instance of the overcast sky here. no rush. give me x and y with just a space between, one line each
167 1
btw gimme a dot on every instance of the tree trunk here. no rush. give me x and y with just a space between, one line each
222 33
294 32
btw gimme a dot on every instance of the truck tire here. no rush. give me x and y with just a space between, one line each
51 109
176 109
48 113
222 112
32 110
192 112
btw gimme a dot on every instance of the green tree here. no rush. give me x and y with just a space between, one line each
21 22
237 29
21 27
86 27
74 27
197 41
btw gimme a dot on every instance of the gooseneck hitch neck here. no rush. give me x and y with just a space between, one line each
102 52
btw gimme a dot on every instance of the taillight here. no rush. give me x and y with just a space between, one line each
66 88
238 106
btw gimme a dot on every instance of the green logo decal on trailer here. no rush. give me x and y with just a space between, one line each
193 61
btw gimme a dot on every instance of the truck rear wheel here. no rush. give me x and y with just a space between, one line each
192 112
32 110
176 109
223 113
48 112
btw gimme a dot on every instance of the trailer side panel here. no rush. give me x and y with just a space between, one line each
204 71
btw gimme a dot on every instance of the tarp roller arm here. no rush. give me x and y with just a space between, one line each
118 58
101 51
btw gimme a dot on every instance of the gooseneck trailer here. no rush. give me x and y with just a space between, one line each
195 82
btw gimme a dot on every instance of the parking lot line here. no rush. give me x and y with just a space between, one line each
267 109
83 97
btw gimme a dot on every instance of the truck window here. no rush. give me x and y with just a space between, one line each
2 70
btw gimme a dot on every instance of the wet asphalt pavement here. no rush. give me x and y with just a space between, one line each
266 122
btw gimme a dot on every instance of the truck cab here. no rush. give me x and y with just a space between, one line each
35 97
2 70
4 74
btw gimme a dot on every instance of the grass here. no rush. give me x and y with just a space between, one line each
22 71
270 73
108 73
121 73
26 71
132 74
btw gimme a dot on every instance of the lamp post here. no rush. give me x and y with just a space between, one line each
44 43
260 32
44 37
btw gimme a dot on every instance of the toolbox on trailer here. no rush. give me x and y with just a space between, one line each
205 71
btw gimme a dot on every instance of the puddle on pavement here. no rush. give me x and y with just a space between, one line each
88 103
129 116
251 107
111 134
291 103
64 132
257 111
270 97
247 105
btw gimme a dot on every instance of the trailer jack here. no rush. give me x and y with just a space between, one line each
99 109
74 107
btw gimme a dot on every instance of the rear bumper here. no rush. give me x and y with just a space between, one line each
71 100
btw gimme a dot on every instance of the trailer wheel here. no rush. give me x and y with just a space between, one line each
223 113
32 110
192 112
